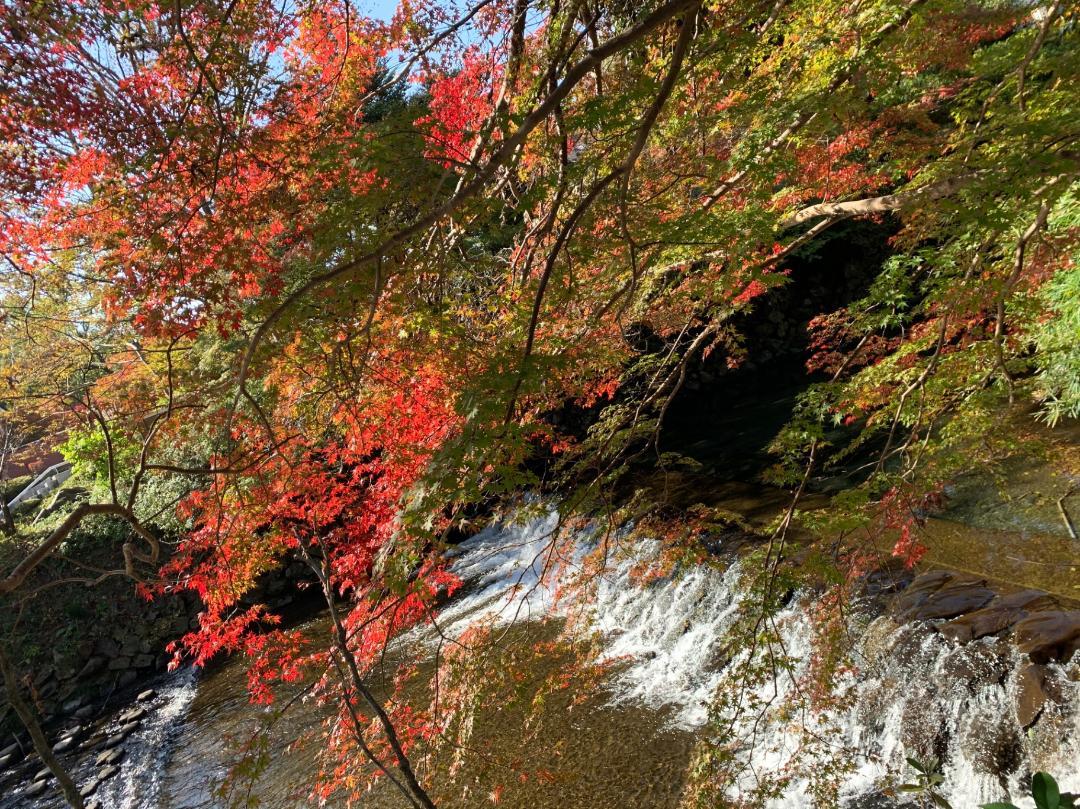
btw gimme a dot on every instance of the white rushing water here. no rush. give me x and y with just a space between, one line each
138 785
912 692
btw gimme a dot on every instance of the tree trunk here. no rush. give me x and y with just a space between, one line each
7 522
37 736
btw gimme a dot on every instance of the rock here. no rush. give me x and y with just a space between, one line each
1036 685
991 742
973 665
997 616
923 726
119 663
878 639
114 740
919 590
85 712
915 647
109 756
108 772
127 678
180 625
107 648
143 661
133 715
89 788
95 804
72 705
35 789
64 744
1051 635
890 577
954 598
92 667
129 728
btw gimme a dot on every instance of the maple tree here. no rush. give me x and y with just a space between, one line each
342 312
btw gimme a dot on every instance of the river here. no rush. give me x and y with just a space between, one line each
629 745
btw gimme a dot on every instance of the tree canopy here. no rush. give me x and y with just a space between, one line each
321 280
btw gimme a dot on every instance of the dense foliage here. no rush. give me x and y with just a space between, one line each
325 279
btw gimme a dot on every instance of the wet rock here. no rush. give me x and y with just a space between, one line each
72 705
878 639
89 788
922 726
85 712
1051 635
64 744
95 804
952 599
1044 741
10 755
973 665
919 590
143 661
891 577
114 740
997 616
108 772
915 647
992 743
35 789
132 715
129 728
1036 686
148 694
112 756
874 700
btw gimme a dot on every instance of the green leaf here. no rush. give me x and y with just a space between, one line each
940 801
918 765
1045 791
998 806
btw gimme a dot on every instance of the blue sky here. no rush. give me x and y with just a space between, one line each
380 9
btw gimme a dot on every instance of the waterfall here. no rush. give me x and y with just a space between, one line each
138 785
911 692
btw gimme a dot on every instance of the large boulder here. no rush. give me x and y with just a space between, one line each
916 593
1050 635
1036 686
997 616
941 594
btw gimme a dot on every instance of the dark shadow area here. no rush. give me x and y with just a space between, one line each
724 418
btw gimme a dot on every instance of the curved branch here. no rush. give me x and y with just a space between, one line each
17 576
882 204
